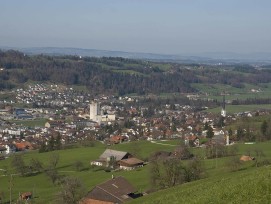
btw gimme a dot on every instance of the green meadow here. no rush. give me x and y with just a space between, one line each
247 186
30 123
45 191
214 91
240 108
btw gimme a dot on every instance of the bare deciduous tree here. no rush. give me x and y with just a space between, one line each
36 165
78 165
18 164
171 171
53 160
234 163
52 174
72 190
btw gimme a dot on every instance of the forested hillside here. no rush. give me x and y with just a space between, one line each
120 75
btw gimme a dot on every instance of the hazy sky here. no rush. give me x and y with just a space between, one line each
157 26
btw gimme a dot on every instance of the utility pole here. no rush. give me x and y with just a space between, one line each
215 153
33 193
10 188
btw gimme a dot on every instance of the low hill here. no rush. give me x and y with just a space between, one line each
246 186
243 84
106 75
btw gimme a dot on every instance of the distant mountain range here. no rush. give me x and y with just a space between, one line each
208 57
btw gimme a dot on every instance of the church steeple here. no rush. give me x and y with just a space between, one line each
223 110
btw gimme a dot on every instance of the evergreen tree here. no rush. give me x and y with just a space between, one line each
58 142
240 133
206 126
230 133
51 144
43 147
264 128
210 132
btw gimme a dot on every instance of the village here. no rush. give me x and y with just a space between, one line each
52 117
73 117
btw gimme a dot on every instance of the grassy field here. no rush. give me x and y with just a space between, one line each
162 66
45 191
131 72
248 186
142 149
214 91
30 123
7 96
240 108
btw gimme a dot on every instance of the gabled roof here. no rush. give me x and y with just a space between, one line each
131 161
117 186
117 138
93 201
193 137
119 155
114 190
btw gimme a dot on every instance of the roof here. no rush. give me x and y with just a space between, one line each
131 161
26 194
2 148
193 137
119 155
93 201
246 158
117 138
114 190
23 145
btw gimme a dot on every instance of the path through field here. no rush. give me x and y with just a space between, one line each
163 144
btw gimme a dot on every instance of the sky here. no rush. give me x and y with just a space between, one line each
152 26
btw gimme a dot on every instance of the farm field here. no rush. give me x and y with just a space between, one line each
214 91
247 186
240 108
44 190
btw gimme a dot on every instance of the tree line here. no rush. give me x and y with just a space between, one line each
119 75
91 72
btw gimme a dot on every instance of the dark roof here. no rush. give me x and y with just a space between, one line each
114 190
131 162
2 148
92 201
119 155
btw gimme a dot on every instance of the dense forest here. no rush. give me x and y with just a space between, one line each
120 75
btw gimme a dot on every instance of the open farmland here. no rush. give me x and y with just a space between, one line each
44 190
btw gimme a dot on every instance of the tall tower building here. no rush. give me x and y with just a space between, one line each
94 111
223 110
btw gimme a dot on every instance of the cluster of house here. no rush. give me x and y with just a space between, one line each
53 95
10 113
189 128
88 118
8 148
